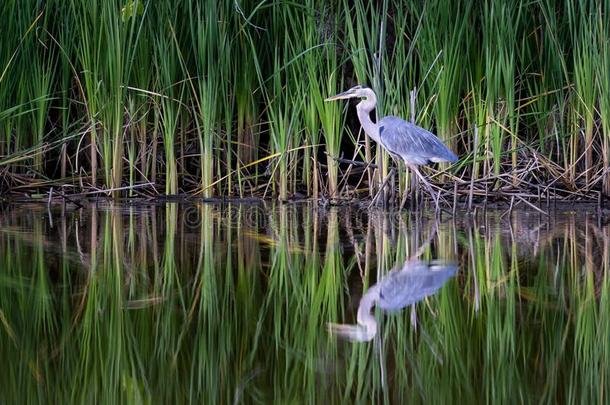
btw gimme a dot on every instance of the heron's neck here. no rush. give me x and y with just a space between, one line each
364 109
366 319
367 324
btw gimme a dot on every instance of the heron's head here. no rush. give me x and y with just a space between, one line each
356 91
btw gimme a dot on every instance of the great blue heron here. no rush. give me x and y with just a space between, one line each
401 287
403 140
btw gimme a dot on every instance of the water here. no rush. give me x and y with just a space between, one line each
174 303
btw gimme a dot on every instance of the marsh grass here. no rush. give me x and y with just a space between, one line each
226 98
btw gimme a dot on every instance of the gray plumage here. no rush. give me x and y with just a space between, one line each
415 281
412 143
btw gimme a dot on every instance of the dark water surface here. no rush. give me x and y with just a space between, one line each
178 303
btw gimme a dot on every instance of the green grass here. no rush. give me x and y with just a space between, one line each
226 98
603 87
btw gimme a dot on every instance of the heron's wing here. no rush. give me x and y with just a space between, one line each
413 283
412 143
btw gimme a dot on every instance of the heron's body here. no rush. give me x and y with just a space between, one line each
415 281
402 287
403 140
411 143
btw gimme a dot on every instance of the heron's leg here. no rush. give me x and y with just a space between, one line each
435 196
426 183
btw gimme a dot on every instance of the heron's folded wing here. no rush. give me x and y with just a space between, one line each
412 143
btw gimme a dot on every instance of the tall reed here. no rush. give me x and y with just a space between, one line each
208 35
500 38
365 26
585 57
603 89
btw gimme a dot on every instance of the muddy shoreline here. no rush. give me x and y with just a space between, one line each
601 206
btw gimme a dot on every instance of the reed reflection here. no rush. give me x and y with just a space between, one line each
226 304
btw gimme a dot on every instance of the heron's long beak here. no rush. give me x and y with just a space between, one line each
340 96
355 333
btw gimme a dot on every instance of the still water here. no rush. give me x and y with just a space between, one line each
177 303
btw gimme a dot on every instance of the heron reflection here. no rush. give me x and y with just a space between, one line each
401 287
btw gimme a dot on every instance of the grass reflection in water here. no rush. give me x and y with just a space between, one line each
194 303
